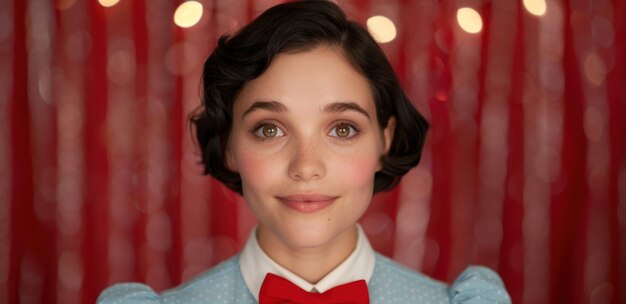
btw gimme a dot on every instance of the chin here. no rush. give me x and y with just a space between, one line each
313 236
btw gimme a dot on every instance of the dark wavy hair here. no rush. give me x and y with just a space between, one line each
291 28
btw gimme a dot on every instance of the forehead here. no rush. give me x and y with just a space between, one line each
308 80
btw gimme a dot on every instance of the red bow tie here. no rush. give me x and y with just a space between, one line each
278 290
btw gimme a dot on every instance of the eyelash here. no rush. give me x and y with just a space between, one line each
257 127
262 124
351 125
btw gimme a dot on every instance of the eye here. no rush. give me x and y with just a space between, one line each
268 131
343 130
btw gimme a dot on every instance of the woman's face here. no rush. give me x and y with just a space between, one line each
306 142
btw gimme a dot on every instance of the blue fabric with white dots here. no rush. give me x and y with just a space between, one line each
390 283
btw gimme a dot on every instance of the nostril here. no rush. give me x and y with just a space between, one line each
306 169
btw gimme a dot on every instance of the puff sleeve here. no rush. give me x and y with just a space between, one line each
478 285
128 293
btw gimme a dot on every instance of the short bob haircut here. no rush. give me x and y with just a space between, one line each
291 28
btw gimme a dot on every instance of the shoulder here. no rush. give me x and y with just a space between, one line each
225 272
221 284
128 293
478 284
392 282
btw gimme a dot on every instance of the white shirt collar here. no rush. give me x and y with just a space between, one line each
255 265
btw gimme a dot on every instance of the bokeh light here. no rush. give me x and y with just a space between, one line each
535 7
64 4
595 69
469 20
382 28
188 14
108 3
70 269
113 139
181 58
121 66
602 31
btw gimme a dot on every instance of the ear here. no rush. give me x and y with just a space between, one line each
388 134
229 158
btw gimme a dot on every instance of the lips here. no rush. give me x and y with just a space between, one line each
307 203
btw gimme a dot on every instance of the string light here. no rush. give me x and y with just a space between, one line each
108 3
188 14
382 28
469 20
535 7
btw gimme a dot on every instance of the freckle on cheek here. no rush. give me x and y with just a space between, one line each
358 174
254 168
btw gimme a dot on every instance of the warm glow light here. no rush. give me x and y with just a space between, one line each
188 14
108 3
469 20
595 69
535 7
65 4
382 29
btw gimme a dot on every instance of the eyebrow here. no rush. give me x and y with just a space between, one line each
335 107
272 106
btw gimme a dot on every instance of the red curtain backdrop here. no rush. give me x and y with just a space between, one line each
524 169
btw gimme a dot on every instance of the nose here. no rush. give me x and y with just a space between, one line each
306 161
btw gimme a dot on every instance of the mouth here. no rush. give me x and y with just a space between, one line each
307 203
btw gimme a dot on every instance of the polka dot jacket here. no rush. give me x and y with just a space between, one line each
390 283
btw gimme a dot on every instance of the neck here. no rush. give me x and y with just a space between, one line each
311 264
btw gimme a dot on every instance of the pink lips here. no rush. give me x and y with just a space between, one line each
307 203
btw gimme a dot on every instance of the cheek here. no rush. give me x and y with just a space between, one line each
356 171
256 171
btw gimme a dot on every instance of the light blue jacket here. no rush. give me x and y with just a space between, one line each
390 283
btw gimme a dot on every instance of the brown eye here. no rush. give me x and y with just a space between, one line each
343 131
268 130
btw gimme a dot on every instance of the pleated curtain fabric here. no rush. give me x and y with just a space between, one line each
524 170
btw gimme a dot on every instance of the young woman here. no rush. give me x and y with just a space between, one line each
304 117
